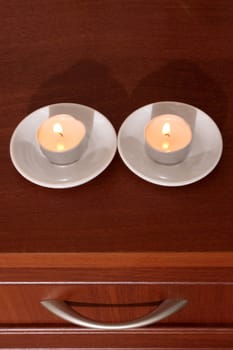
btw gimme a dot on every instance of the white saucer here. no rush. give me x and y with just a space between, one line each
204 155
35 167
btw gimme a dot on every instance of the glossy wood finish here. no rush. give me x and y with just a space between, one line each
208 304
149 338
116 275
117 238
116 56
118 260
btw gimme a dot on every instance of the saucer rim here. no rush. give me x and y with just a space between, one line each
68 184
162 182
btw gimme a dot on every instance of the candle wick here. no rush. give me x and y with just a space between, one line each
167 134
61 134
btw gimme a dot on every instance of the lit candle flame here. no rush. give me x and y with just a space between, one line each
166 130
57 129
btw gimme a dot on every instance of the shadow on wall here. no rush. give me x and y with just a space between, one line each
88 83
182 81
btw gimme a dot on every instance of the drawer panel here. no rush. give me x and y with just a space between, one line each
208 304
149 338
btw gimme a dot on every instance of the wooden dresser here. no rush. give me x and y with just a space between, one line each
116 247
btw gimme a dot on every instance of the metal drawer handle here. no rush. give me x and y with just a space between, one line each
63 310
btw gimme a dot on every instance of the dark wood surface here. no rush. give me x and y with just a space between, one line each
116 56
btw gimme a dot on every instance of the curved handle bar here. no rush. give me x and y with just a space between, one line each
63 310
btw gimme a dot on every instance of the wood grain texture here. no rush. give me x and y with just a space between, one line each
208 304
155 338
118 260
116 56
117 238
103 276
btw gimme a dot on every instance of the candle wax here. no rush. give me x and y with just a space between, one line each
168 133
61 133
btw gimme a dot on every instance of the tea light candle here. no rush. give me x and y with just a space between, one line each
167 139
62 139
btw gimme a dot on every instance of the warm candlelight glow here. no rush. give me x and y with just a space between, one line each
165 145
57 129
166 130
168 138
60 147
62 139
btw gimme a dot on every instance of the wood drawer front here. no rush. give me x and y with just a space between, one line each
208 304
147 338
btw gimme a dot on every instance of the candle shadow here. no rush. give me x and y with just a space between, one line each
87 83
183 81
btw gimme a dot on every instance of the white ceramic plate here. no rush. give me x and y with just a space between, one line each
35 167
204 155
